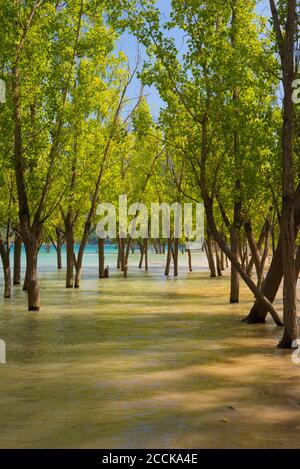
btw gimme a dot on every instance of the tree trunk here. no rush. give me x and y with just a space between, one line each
285 45
69 230
175 256
146 254
58 248
234 279
254 251
142 256
101 257
25 283
78 269
128 248
159 246
126 255
223 260
4 251
119 255
188 250
32 248
169 256
17 259
259 311
122 253
264 258
218 260
209 255
155 246
208 203
287 215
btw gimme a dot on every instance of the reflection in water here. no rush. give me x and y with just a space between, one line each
144 362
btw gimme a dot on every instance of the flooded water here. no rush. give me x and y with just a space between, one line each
143 362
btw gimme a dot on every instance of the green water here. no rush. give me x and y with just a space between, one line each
143 362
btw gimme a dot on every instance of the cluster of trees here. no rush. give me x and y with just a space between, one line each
227 131
224 137
67 144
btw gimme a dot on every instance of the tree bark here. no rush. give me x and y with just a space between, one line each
128 248
122 254
259 312
25 283
32 248
146 254
223 260
175 256
30 233
254 249
17 260
4 252
59 241
69 230
189 253
264 258
169 256
155 246
209 255
285 44
218 260
142 256
208 203
119 255
234 278
101 257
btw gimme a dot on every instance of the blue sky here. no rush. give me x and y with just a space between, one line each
129 45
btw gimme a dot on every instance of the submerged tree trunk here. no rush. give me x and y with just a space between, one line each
17 260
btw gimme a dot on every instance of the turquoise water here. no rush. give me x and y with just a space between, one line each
47 263
47 256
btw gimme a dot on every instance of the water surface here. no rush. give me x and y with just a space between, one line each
143 362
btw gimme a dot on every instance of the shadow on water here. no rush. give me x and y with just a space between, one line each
144 362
